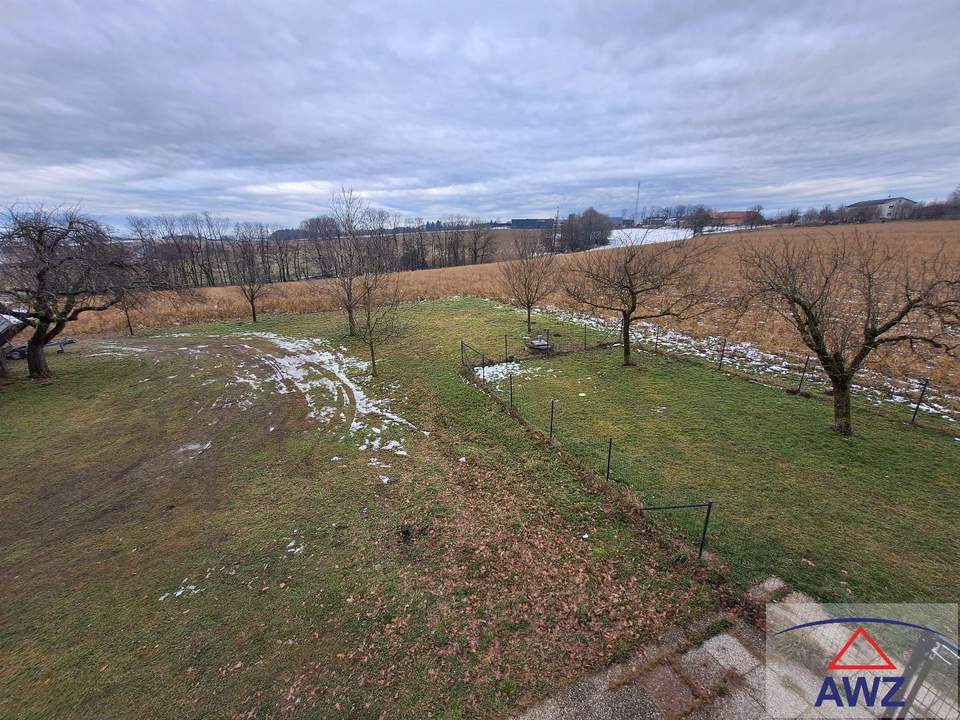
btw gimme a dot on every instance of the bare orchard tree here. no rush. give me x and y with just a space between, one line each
851 296
351 214
378 302
57 265
531 277
246 265
644 282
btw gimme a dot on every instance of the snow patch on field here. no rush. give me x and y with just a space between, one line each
651 236
874 386
324 375
194 449
186 588
501 371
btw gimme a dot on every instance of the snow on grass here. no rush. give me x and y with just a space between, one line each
186 588
111 349
875 387
650 236
194 449
326 377
501 371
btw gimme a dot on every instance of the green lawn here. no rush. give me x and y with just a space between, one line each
463 587
483 576
871 518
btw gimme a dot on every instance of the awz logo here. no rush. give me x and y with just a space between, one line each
859 689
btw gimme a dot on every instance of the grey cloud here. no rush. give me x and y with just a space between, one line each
258 109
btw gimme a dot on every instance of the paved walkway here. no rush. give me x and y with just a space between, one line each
712 669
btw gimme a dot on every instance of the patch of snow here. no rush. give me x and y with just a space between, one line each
501 371
875 387
384 479
186 588
302 370
195 449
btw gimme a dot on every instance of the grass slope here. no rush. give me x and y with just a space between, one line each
871 517
459 588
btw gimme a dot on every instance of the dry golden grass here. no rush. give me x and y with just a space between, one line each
923 239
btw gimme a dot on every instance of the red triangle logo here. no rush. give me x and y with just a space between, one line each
835 664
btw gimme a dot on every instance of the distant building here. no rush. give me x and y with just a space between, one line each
732 217
886 209
531 223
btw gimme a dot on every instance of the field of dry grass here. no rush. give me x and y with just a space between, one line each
769 333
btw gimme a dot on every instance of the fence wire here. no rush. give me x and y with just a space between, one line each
602 455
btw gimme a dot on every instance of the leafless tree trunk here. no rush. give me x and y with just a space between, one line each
352 217
247 264
851 296
644 282
378 301
58 265
531 277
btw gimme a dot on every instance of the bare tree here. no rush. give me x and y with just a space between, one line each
352 216
479 238
531 277
378 302
57 265
584 231
246 264
698 219
644 282
851 296
320 233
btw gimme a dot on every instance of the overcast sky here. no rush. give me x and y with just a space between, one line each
257 110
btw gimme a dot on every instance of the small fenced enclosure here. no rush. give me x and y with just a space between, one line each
538 343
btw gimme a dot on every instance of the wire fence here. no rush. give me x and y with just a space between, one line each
914 401
497 372
603 456
538 343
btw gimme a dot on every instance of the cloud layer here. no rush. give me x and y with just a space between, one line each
259 109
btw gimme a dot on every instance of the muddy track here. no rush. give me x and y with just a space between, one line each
248 382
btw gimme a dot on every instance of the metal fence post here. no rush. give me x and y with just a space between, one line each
511 391
505 348
806 364
609 453
923 391
462 361
483 368
551 418
723 348
706 522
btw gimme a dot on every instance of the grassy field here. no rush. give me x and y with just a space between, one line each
184 536
867 518
921 238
